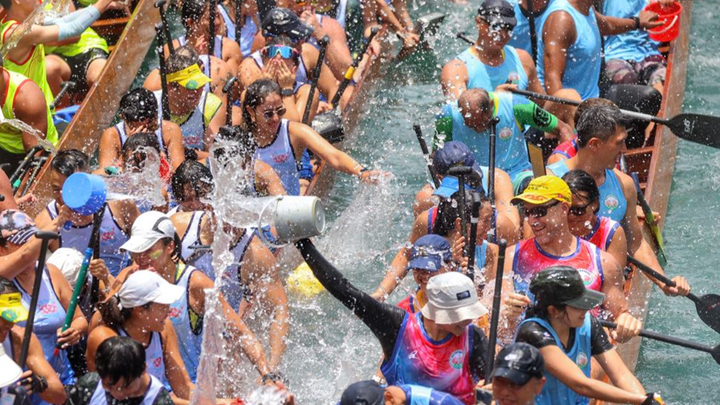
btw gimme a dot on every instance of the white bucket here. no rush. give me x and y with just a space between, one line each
298 217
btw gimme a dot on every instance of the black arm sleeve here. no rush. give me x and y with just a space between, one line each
384 320
598 338
535 335
81 392
478 359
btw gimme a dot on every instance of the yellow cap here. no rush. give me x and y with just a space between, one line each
11 308
303 282
192 78
544 189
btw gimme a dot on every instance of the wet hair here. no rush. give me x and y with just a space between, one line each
255 95
111 313
192 10
141 139
183 57
138 105
449 210
69 161
120 357
600 121
591 102
7 286
476 98
6 4
580 181
234 133
540 309
195 174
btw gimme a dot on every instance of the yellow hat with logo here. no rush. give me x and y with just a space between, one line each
11 308
192 77
546 188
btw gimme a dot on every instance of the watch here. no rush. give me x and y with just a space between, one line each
286 92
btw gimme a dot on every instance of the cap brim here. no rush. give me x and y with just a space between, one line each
300 32
455 315
589 300
195 82
531 198
139 244
10 371
23 235
517 377
445 192
500 20
168 294
422 263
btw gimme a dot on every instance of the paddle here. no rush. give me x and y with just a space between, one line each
714 351
160 5
649 217
238 27
45 237
707 306
465 38
702 129
323 43
531 26
64 87
492 234
460 172
19 173
474 219
211 29
228 101
165 98
495 317
426 155
350 72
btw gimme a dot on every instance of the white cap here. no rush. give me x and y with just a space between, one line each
10 370
146 286
451 299
147 229
69 261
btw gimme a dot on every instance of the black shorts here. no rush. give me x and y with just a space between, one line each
80 63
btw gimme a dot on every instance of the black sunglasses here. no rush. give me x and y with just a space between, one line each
280 111
579 210
540 211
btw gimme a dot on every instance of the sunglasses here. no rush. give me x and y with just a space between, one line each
579 210
540 211
284 51
280 111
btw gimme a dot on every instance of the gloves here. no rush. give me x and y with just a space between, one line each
653 399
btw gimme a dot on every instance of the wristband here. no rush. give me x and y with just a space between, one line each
286 92
637 22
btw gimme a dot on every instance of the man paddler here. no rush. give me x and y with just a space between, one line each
601 141
469 121
546 202
521 36
491 62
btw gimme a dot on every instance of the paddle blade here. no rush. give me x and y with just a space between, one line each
702 129
708 308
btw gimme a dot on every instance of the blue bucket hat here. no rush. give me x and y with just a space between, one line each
430 252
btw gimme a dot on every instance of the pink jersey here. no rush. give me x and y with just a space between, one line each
602 233
441 365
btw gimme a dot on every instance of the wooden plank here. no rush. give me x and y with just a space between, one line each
102 101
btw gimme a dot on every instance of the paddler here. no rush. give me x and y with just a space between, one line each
584 221
121 377
198 112
40 379
81 61
490 63
521 38
569 149
24 101
546 202
155 244
116 222
431 255
469 121
438 347
518 375
371 393
281 142
139 113
249 24
601 142
561 327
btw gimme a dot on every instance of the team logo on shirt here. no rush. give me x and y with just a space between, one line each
456 359
174 312
611 202
587 276
280 158
582 360
157 361
505 133
48 308
514 78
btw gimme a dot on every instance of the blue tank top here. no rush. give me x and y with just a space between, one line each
482 76
247 32
281 157
511 149
555 392
634 45
49 317
612 197
154 357
582 69
188 326
520 38
231 285
100 396
193 128
111 238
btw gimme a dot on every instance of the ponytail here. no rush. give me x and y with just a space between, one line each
112 313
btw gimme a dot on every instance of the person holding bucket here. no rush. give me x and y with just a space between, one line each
117 217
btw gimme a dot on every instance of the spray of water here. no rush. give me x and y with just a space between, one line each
22 126
142 183
45 12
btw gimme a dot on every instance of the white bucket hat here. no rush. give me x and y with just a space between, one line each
146 286
452 299
69 261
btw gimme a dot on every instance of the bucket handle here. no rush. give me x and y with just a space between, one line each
666 29
259 225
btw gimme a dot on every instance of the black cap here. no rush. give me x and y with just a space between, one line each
281 21
498 12
519 362
563 285
363 393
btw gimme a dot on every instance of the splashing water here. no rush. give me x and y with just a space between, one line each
143 184
22 126
45 12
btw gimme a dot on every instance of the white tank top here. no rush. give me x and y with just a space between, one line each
280 156
99 396
122 133
232 287
193 128
190 239
247 32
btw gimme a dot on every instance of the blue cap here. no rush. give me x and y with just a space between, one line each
448 187
430 252
453 153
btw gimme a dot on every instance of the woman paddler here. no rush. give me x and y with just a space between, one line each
561 327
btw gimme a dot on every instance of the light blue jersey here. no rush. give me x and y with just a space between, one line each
482 76
582 68
634 45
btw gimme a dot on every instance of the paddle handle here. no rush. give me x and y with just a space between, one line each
238 27
228 99
160 5
662 278
350 72
465 38
664 338
323 42
79 283
497 297
492 234
426 154
474 219
165 98
211 30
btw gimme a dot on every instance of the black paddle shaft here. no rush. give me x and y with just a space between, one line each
45 237
165 98
351 69
474 219
495 317
533 34
238 26
491 177
460 172
227 89
426 155
211 29
160 5
323 43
